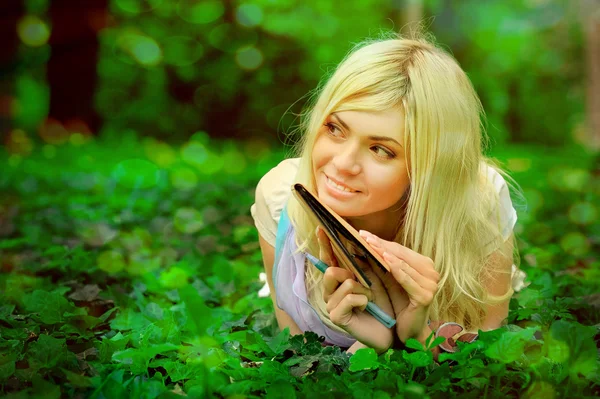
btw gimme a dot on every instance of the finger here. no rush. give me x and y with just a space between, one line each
422 264
424 282
418 295
332 278
348 287
325 249
342 314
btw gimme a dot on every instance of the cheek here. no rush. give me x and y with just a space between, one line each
320 153
388 182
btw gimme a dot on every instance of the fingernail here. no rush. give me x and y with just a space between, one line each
363 233
386 256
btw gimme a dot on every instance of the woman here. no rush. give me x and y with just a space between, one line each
393 144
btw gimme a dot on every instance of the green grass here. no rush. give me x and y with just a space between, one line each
130 269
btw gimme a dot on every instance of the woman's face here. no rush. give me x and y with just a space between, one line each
361 151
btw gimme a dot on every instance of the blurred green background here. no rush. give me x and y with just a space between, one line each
134 133
241 69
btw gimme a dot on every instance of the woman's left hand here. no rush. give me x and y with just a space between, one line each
411 285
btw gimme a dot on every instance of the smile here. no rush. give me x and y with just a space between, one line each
339 187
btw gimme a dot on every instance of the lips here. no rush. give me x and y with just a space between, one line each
339 183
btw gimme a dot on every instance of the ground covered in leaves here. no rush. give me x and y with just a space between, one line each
130 270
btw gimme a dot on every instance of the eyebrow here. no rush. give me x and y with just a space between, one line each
374 138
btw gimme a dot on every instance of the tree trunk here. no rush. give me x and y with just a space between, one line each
410 14
72 66
10 13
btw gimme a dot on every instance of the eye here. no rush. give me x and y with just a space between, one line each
383 152
333 129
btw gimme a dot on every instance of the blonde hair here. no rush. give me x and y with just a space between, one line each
452 212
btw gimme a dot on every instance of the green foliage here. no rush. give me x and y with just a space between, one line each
227 66
113 286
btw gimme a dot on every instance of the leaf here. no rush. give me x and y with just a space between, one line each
87 293
178 371
79 381
418 359
6 310
47 352
280 342
198 313
436 342
108 346
129 319
7 365
364 359
111 261
511 345
137 358
51 306
44 389
175 277
280 389
414 344
573 343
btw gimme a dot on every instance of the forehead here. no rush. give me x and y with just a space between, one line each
388 123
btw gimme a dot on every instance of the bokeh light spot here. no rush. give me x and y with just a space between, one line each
53 132
182 50
49 151
200 137
33 31
159 152
14 160
19 143
146 51
256 149
188 220
583 213
249 58
32 101
568 179
519 164
249 15
111 261
575 244
77 139
535 199
183 178
234 162
203 12
136 173
214 164
137 6
194 153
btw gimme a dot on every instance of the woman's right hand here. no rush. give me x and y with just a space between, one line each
347 299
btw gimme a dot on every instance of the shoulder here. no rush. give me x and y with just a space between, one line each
272 192
275 185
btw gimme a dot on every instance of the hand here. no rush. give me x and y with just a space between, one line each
347 299
411 285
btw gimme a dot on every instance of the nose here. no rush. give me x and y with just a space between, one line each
347 160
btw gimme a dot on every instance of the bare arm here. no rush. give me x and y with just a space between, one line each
283 319
499 285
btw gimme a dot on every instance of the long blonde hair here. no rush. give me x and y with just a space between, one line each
452 212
